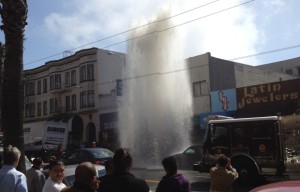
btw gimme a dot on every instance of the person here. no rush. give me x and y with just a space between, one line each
59 151
172 181
1 161
51 159
94 144
109 169
56 174
122 180
85 179
222 175
12 180
35 177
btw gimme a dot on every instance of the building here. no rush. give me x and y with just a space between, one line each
79 90
83 90
216 83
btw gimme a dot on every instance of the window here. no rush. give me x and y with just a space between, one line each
67 79
30 110
199 88
39 87
55 81
87 72
29 88
219 135
87 99
54 105
90 72
74 102
289 71
83 99
68 103
39 108
73 77
45 88
45 108
90 98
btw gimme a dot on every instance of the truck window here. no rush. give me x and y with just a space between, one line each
239 139
219 135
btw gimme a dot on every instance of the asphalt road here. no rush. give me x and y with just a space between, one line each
200 182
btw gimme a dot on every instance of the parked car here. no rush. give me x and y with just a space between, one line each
189 156
97 156
69 177
282 186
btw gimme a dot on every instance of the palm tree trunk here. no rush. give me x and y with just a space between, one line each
14 15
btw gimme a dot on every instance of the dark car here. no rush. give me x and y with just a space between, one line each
188 157
94 155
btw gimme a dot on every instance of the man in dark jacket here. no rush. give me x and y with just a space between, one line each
172 181
122 180
85 179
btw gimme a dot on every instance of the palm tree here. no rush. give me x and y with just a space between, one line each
14 15
2 51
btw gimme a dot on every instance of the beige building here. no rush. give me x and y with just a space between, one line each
75 90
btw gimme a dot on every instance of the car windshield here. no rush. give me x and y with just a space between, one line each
102 153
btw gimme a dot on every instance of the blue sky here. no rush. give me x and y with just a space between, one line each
258 26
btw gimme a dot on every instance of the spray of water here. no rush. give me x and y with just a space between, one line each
156 109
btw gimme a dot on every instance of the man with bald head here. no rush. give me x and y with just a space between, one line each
85 179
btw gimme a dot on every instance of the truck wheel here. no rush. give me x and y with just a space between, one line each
248 174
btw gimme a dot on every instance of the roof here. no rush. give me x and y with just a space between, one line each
274 118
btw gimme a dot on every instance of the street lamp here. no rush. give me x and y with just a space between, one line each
120 85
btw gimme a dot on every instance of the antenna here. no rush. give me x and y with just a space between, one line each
67 53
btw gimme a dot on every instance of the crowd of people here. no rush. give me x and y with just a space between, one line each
118 177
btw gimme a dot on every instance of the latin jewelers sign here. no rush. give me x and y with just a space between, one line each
282 92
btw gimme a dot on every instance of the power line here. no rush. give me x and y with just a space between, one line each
188 68
204 5
265 52
120 42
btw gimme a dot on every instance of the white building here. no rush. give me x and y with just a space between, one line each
77 90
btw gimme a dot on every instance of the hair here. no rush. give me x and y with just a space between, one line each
85 173
55 162
52 158
109 167
11 155
222 161
122 159
37 161
169 164
60 147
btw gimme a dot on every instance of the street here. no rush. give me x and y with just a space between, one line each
199 181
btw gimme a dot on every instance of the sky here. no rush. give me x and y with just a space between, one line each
264 31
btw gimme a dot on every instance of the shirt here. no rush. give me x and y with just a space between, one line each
123 181
12 180
52 186
35 180
174 183
221 179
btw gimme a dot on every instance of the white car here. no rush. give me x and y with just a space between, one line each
70 173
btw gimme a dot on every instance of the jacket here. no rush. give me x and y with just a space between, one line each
123 181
